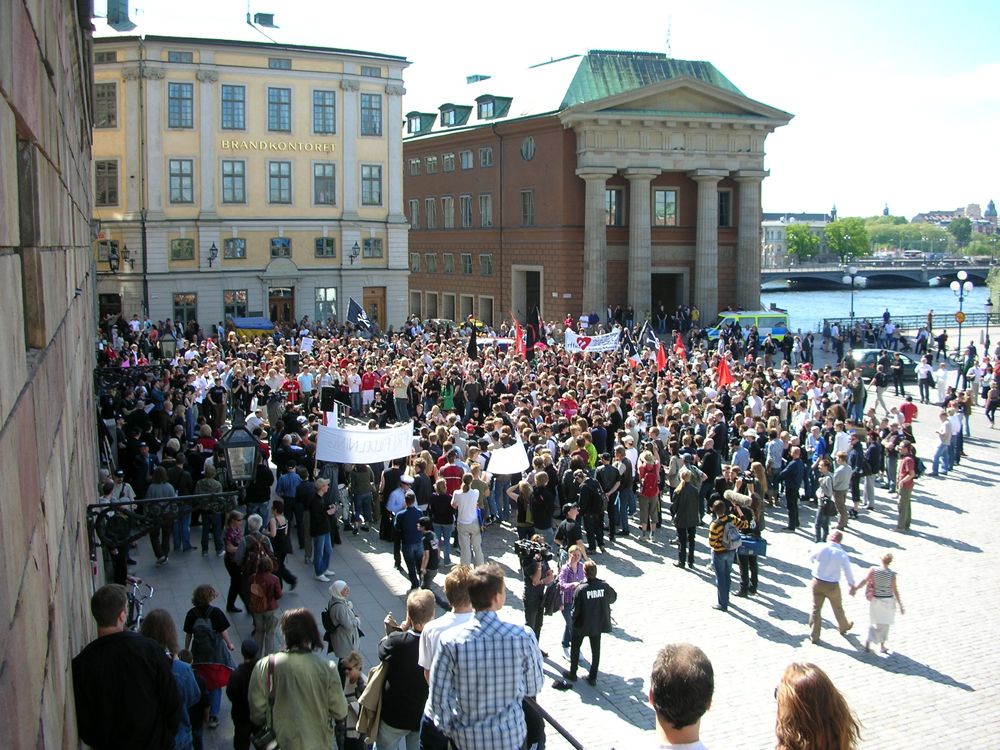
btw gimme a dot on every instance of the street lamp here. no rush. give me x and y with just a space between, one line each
989 311
355 252
242 451
962 288
213 253
127 257
114 259
850 277
168 346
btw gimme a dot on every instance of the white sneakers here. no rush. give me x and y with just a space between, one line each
322 578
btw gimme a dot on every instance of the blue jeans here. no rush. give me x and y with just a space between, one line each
362 507
443 532
499 499
942 455
182 532
211 523
954 450
214 702
261 509
627 500
412 554
548 534
621 508
822 525
355 399
391 738
567 613
322 549
402 409
723 564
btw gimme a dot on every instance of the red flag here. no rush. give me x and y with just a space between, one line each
518 338
661 358
679 349
723 373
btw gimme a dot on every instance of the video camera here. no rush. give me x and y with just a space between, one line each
529 550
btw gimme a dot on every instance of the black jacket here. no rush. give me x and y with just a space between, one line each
405 689
591 497
592 607
125 694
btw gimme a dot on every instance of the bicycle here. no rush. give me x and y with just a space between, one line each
133 617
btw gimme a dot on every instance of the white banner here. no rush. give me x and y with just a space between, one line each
361 446
510 460
605 342
306 344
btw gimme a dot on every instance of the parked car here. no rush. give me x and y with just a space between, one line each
866 359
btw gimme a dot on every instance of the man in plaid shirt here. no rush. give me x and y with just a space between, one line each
482 672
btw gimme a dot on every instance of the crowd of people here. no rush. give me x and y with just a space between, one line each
688 434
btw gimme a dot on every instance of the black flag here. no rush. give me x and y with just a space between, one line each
473 345
532 337
357 316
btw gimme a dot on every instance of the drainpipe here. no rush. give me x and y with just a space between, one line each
142 176
499 225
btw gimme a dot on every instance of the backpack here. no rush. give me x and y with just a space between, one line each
650 483
731 536
255 550
328 628
918 467
203 639
257 602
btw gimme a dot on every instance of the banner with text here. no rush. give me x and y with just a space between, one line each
605 342
362 446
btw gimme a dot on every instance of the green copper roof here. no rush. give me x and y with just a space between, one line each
604 73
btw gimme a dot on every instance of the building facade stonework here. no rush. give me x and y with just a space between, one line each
48 457
616 178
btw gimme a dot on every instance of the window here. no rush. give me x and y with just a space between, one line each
371 114
104 248
528 148
324 184
324 112
185 308
527 208
448 262
431 164
486 156
448 212
180 105
465 159
371 185
279 110
725 208
182 249
414 213
431 262
414 124
105 105
102 58
326 247
281 247
181 180
106 182
486 264
176 56
414 167
234 186
414 262
372 248
234 101
430 206
664 208
486 310
448 163
371 71
234 303
486 210
465 209
448 117
466 264
279 63
326 303
279 182
614 207
234 248
486 109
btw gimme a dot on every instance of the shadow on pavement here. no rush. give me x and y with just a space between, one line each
897 663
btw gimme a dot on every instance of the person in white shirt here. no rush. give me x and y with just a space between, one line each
470 535
829 560
680 692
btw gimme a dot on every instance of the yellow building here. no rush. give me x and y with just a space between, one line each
237 177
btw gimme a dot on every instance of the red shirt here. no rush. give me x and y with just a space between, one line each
452 474
907 467
909 411
368 381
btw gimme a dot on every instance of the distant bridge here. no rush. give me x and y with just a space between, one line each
903 271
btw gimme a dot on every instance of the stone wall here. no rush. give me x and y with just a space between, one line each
47 437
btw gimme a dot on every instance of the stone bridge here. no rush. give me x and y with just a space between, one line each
904 272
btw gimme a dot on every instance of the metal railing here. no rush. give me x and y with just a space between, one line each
915 322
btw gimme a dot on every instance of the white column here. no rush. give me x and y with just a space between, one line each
706 260
208 168
156 168
348 161
129 111
394 176
640 254
748 239
595 240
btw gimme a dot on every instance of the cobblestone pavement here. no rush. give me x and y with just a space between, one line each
939 676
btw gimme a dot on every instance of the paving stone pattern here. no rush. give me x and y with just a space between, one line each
938 678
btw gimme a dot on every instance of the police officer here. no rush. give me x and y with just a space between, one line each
591 617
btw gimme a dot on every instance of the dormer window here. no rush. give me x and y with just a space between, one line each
486 109
448 118
413 124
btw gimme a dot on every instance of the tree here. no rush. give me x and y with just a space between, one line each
802 244
961 230
847 238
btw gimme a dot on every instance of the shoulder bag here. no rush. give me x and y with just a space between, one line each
266 739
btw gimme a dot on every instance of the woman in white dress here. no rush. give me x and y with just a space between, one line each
883 598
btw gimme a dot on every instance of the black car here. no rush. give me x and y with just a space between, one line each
866 359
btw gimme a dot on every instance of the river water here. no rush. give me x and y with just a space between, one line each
807 309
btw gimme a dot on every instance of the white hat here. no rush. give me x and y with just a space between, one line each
406 479
751 433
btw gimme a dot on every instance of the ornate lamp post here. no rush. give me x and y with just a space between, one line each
850 277
242 451
168 346
989 312
114 259
961 288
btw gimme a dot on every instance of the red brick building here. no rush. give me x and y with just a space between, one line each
595 180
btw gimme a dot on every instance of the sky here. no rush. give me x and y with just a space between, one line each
895 102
